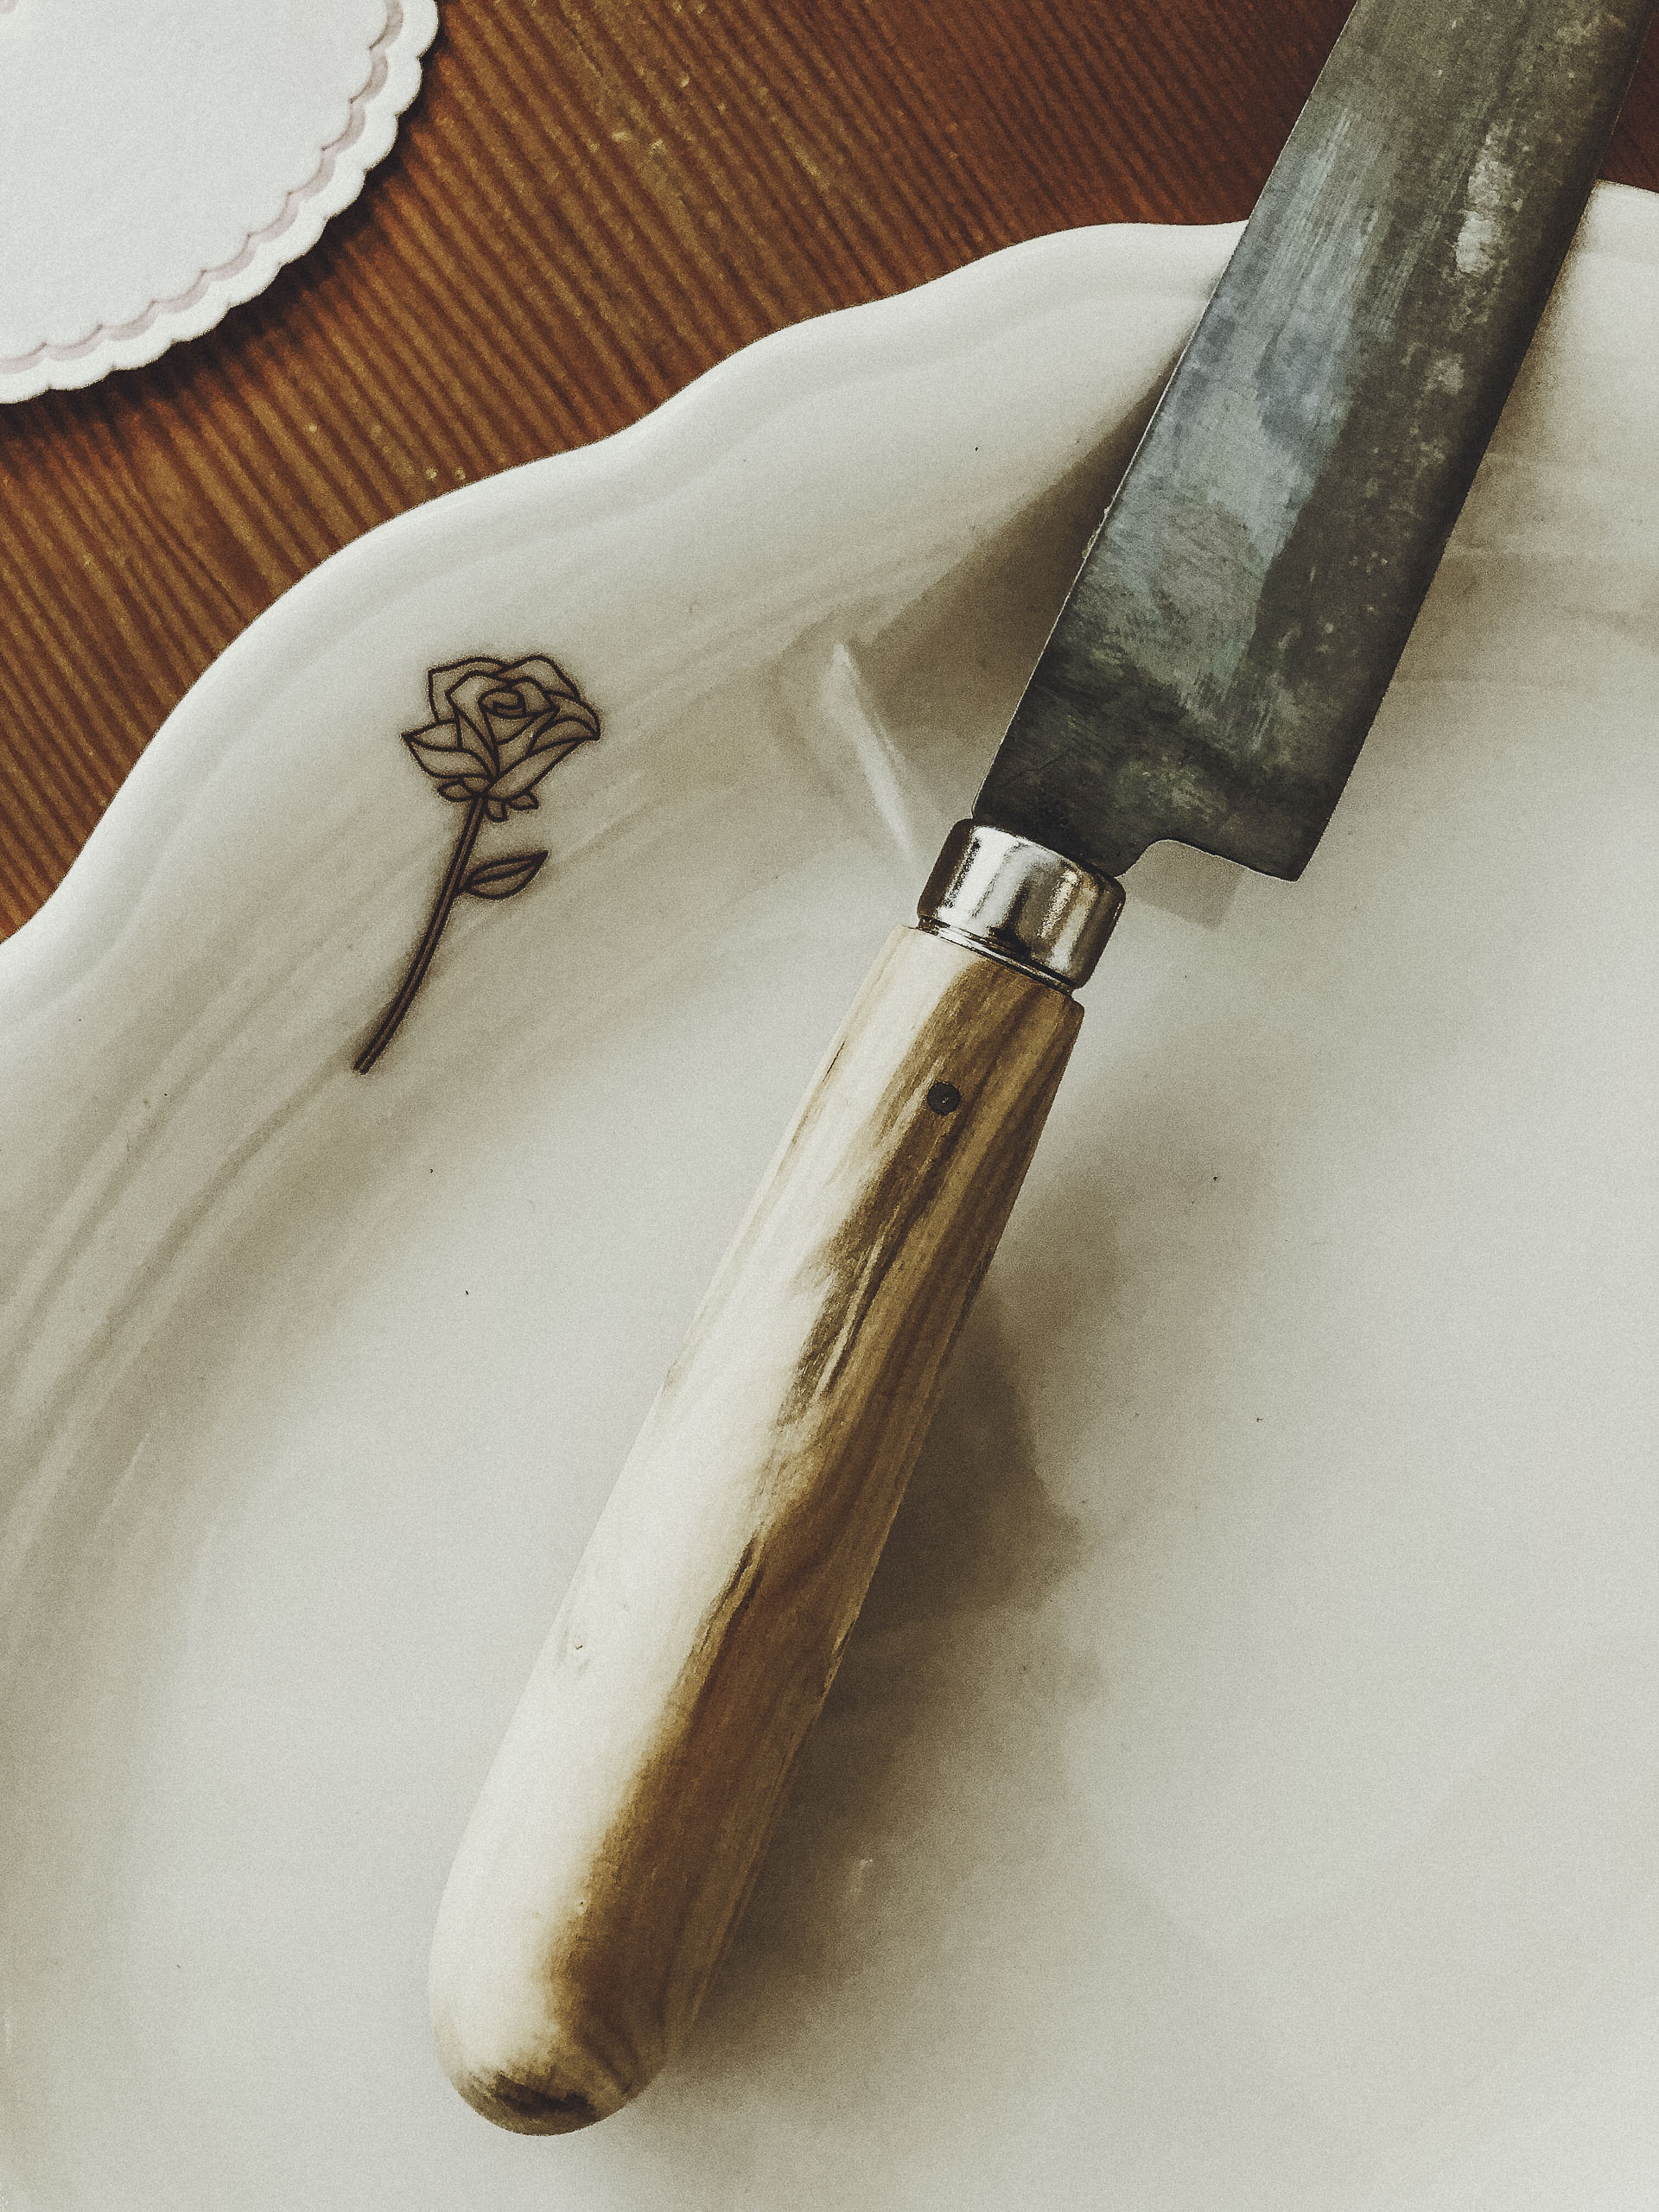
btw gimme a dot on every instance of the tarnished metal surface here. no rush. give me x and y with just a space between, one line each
1237 620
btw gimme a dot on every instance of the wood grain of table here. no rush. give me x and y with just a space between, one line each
591 202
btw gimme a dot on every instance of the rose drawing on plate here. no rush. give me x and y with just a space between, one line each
497 728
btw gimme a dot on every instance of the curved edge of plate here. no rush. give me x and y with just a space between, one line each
370 134
707 416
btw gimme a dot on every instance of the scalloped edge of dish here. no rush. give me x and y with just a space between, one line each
370 131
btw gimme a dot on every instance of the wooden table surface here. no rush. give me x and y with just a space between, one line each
590 202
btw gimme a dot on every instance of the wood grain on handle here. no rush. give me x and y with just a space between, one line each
624 1820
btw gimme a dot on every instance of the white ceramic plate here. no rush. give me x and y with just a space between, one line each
1241 1790
157 168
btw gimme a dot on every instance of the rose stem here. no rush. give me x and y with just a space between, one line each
429 944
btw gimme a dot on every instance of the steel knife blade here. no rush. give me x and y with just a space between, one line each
1229 640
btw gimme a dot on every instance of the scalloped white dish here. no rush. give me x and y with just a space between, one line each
158 170
1240 1791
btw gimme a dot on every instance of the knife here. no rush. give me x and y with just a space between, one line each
1210 678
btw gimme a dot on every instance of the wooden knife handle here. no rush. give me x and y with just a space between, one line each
623 1823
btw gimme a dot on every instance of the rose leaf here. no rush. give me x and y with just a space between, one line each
502 879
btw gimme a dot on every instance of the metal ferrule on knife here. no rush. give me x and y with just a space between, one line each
1022 903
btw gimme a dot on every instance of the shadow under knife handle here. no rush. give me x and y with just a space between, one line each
623 1823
